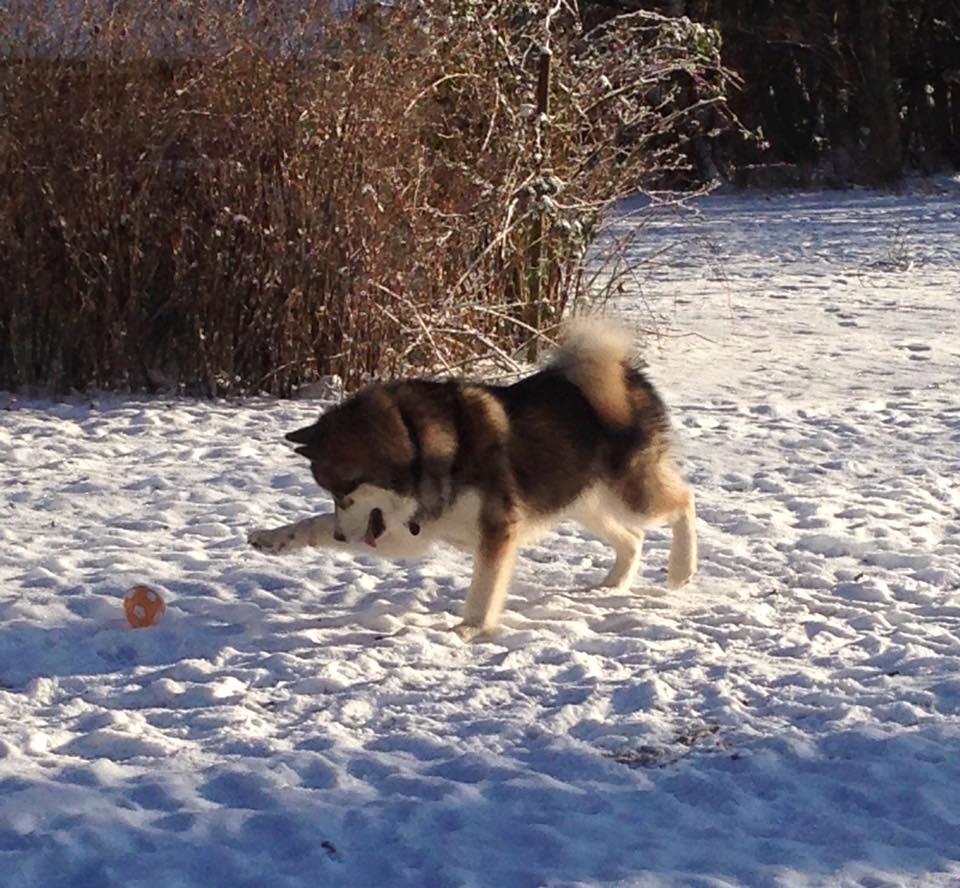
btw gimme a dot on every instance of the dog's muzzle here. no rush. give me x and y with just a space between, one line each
375 527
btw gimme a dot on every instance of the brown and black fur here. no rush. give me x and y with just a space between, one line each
585 436
434 439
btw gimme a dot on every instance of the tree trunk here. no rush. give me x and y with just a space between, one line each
878 100
955 123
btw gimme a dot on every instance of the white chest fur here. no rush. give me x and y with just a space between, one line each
459 525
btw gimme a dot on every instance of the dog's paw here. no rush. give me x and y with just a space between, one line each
272 542
469 632
677 579
612 583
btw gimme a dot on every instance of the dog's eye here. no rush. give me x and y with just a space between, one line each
343 502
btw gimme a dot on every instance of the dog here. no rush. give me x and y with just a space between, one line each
487 468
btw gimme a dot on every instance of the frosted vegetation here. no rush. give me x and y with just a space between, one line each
791 719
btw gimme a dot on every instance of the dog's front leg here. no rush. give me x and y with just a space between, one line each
313 532
492 570
320 533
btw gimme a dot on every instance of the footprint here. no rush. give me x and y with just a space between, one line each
238 789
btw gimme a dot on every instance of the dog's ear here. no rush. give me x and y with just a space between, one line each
308 435
309 439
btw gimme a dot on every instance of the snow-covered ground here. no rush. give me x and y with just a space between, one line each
792 719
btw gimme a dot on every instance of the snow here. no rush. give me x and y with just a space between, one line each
791 719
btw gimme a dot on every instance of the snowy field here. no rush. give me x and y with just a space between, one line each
791 719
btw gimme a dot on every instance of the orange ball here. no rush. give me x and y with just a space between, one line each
143 606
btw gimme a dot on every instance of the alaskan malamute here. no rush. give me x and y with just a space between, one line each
486 468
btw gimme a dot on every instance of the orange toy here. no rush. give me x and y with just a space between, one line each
143 606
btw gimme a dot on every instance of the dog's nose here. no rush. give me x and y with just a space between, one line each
339 537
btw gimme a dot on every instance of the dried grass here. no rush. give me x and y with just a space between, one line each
217 198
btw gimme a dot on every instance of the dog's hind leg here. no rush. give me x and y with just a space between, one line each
671 502
627 542
655 495
683 545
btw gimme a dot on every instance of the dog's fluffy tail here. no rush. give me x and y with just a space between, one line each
594 356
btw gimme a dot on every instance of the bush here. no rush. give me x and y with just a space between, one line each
220 197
